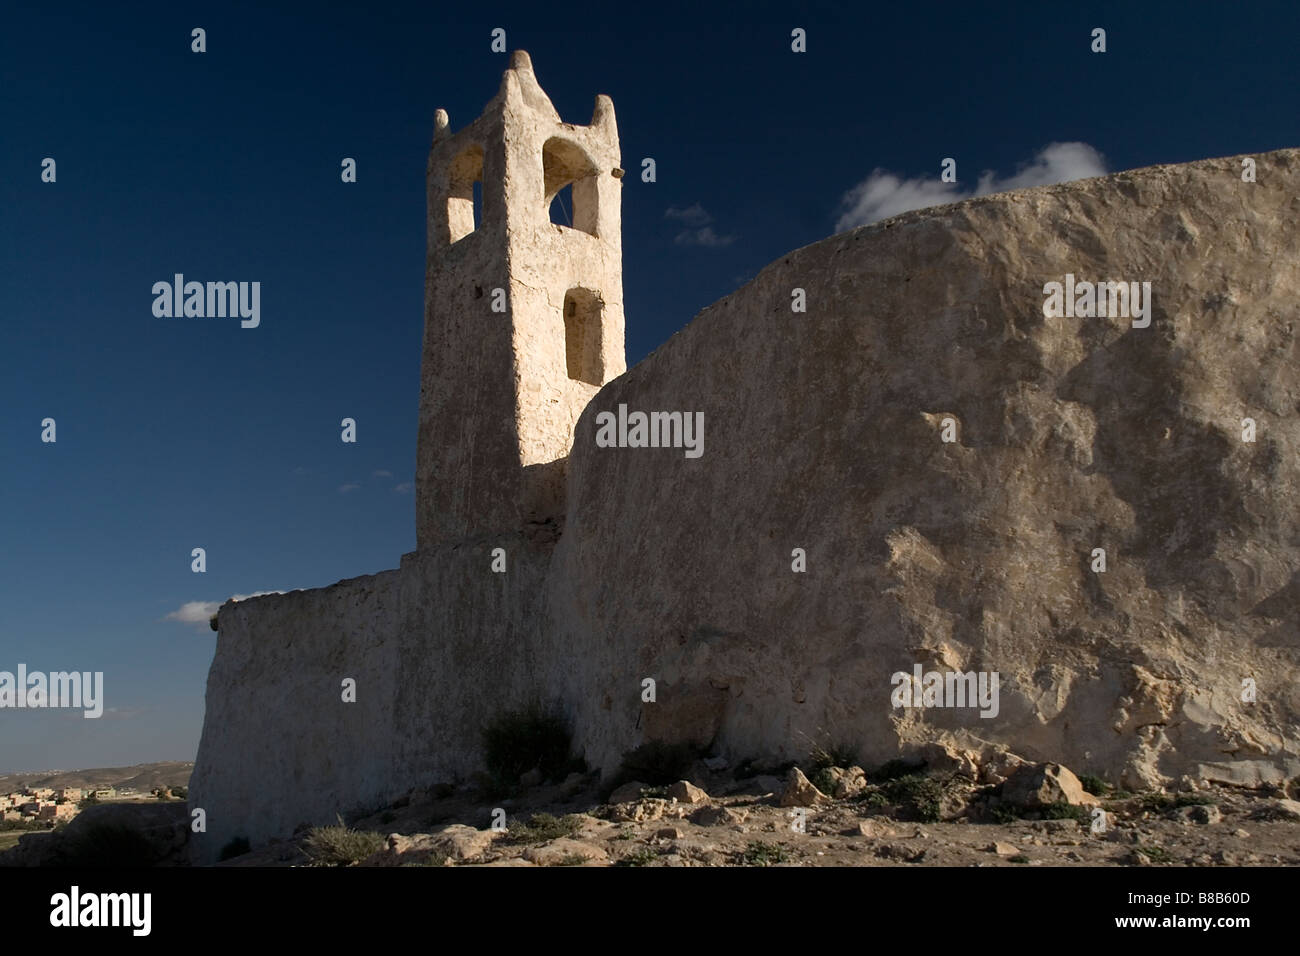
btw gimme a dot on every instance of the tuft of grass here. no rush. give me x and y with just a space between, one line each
1018 858
236 847
542 828
641 857
759 853
340 845
521 740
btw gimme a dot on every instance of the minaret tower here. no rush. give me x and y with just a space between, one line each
523 318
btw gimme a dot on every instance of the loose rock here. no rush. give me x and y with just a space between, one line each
685 792
799 791
1042 785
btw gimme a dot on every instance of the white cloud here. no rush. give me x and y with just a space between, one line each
694 215
200 612
350 486
404 488
194 612
882 194
381 474
699 232
703 237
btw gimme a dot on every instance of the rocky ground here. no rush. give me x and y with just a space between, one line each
1038 815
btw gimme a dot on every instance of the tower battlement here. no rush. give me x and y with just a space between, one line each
523 317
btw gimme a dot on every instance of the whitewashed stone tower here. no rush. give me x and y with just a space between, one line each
501 391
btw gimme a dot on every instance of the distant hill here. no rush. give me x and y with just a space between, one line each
142 777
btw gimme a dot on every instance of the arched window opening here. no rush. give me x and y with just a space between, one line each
465 193
567 169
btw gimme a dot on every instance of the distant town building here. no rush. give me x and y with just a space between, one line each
57 812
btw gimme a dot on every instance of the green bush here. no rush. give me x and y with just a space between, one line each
1002 813
759 853
527 739
639 857
873 797
838 755
1156 854
824 781
1094 785
1158 802
919 795
6 825
1061 810
541 828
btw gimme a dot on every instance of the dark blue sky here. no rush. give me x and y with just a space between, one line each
183 433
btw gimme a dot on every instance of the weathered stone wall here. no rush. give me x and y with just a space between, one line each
437 648
823 433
